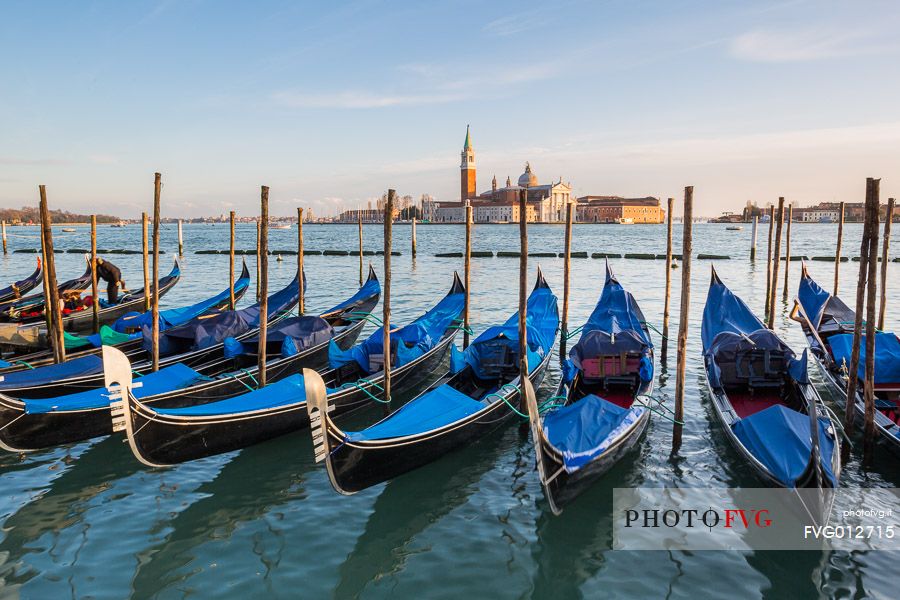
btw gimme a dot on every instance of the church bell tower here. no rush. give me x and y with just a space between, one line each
467 170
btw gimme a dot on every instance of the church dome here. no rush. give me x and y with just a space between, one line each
527 179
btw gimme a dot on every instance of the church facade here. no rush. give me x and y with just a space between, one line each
546 203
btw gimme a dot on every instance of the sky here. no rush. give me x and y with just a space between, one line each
331 103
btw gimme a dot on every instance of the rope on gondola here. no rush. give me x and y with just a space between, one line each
252 378
463 328
22 362
654 409
838 425
570 334
653 327
497 394
358 384
550 403
365 316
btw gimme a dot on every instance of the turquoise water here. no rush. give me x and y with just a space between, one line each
89 521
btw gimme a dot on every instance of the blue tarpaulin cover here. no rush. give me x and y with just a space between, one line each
725 312
286 391
887 355
813 299
86 365
164 380
585 429
779 438
445 405
541 323
411 341
370 288
615 326
202 332
177 316
437 408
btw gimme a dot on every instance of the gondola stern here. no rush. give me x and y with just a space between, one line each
457 287
714 276
245 272
117 379
373 276
320 424
537 438
541 281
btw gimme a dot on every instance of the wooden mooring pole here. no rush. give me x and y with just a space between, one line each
885 257
853 373
769 261
523 292
664 352
263 266
258 271
837 255
231 262
157 188
413 237
95 304
787 249
687 245
776 257
872 206
145 245
467 275
4 237
386 302
45 281
567 273
56 333
753 238
180 240
360 249
301 305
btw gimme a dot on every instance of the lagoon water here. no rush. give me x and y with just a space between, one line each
89 521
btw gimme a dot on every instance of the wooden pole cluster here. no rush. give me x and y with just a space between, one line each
753 239
664 352
51 292
263 266
360 250
414 237
787 259
872 206
769 261
180 240
776 257
567 270
467 275
837 255
687 245
4 236
523 289
231 262
157 188
885 256
45 281
386 314
867 252
145 242
302 305
95 304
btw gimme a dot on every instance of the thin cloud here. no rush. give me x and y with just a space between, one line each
812 44
513 24
359 99
33 162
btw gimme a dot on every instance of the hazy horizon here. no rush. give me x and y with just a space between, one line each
330 105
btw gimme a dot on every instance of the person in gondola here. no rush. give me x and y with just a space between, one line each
111 274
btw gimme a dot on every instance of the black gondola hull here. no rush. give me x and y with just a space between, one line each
21 432
357 467
166 441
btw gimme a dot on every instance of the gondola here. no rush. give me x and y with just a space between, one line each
160 437
14 291
761 394
476 397
196 342
828 325
125 332
601 407
32 424
35 302
23 332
